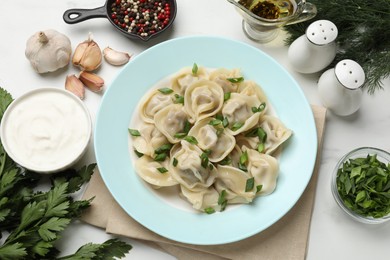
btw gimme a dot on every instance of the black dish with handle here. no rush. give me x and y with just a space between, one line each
73 16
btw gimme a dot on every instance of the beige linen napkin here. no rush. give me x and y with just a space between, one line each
286 239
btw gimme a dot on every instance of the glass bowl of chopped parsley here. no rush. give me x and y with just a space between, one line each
361 185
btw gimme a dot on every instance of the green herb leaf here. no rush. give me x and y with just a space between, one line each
179 99
165 91
222 201
191 139
250 183
175 162
237 126
215 122
227 96
180 135
48 230
134 132
160 157
164 148
162 169
235 80
209 210
138 153
194 69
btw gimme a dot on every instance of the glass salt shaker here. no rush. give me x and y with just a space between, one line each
340 88
316 49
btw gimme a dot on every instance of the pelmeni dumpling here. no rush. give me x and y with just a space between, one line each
170 121
238 111
187 167
151 139
234 181
185 77
203 98
209 137
202 199
250 88
153 103
153 172
276 132
221 76
264 168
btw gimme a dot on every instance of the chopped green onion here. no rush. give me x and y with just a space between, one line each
134 132
180 135
220 131
227 96
250 183
162 170
195 69
260 147
209 210
237 126
219 117
163 148
165 91
222 201
204 160
252 133
244 157
235 80
242 167
261 134
160 157
191 139
187 126
226 161
215 122
259 109
175 162
258 188
179 99
225 122
208 151
138 153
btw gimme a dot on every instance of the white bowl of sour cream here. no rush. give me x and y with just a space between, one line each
46 130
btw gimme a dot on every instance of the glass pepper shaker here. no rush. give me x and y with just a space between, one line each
340 88
316 49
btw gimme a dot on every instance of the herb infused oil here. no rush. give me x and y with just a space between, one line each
269 9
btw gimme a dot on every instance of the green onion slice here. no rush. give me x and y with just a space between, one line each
165 91
134 132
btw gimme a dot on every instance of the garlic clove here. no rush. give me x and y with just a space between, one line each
74 85
114 57
87 55
91 81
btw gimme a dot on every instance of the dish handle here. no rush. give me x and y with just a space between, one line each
72 16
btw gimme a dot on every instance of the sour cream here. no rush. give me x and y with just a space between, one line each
46 129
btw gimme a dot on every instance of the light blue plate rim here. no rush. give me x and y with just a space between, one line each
156 63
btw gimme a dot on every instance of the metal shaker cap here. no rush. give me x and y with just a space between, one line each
350 74
321 32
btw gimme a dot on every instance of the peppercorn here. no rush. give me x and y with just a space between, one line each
141 17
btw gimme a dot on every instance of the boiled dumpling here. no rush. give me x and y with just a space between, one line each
264 168
202 199
170 121
218 142
250 88
185 77
187 167
238 111
221 76
154 172
151 139
153 103
203 98
276 132
234 181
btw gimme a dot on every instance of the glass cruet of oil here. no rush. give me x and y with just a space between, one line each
262 19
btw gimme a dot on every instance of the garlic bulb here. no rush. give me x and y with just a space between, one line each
48 51
87 55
